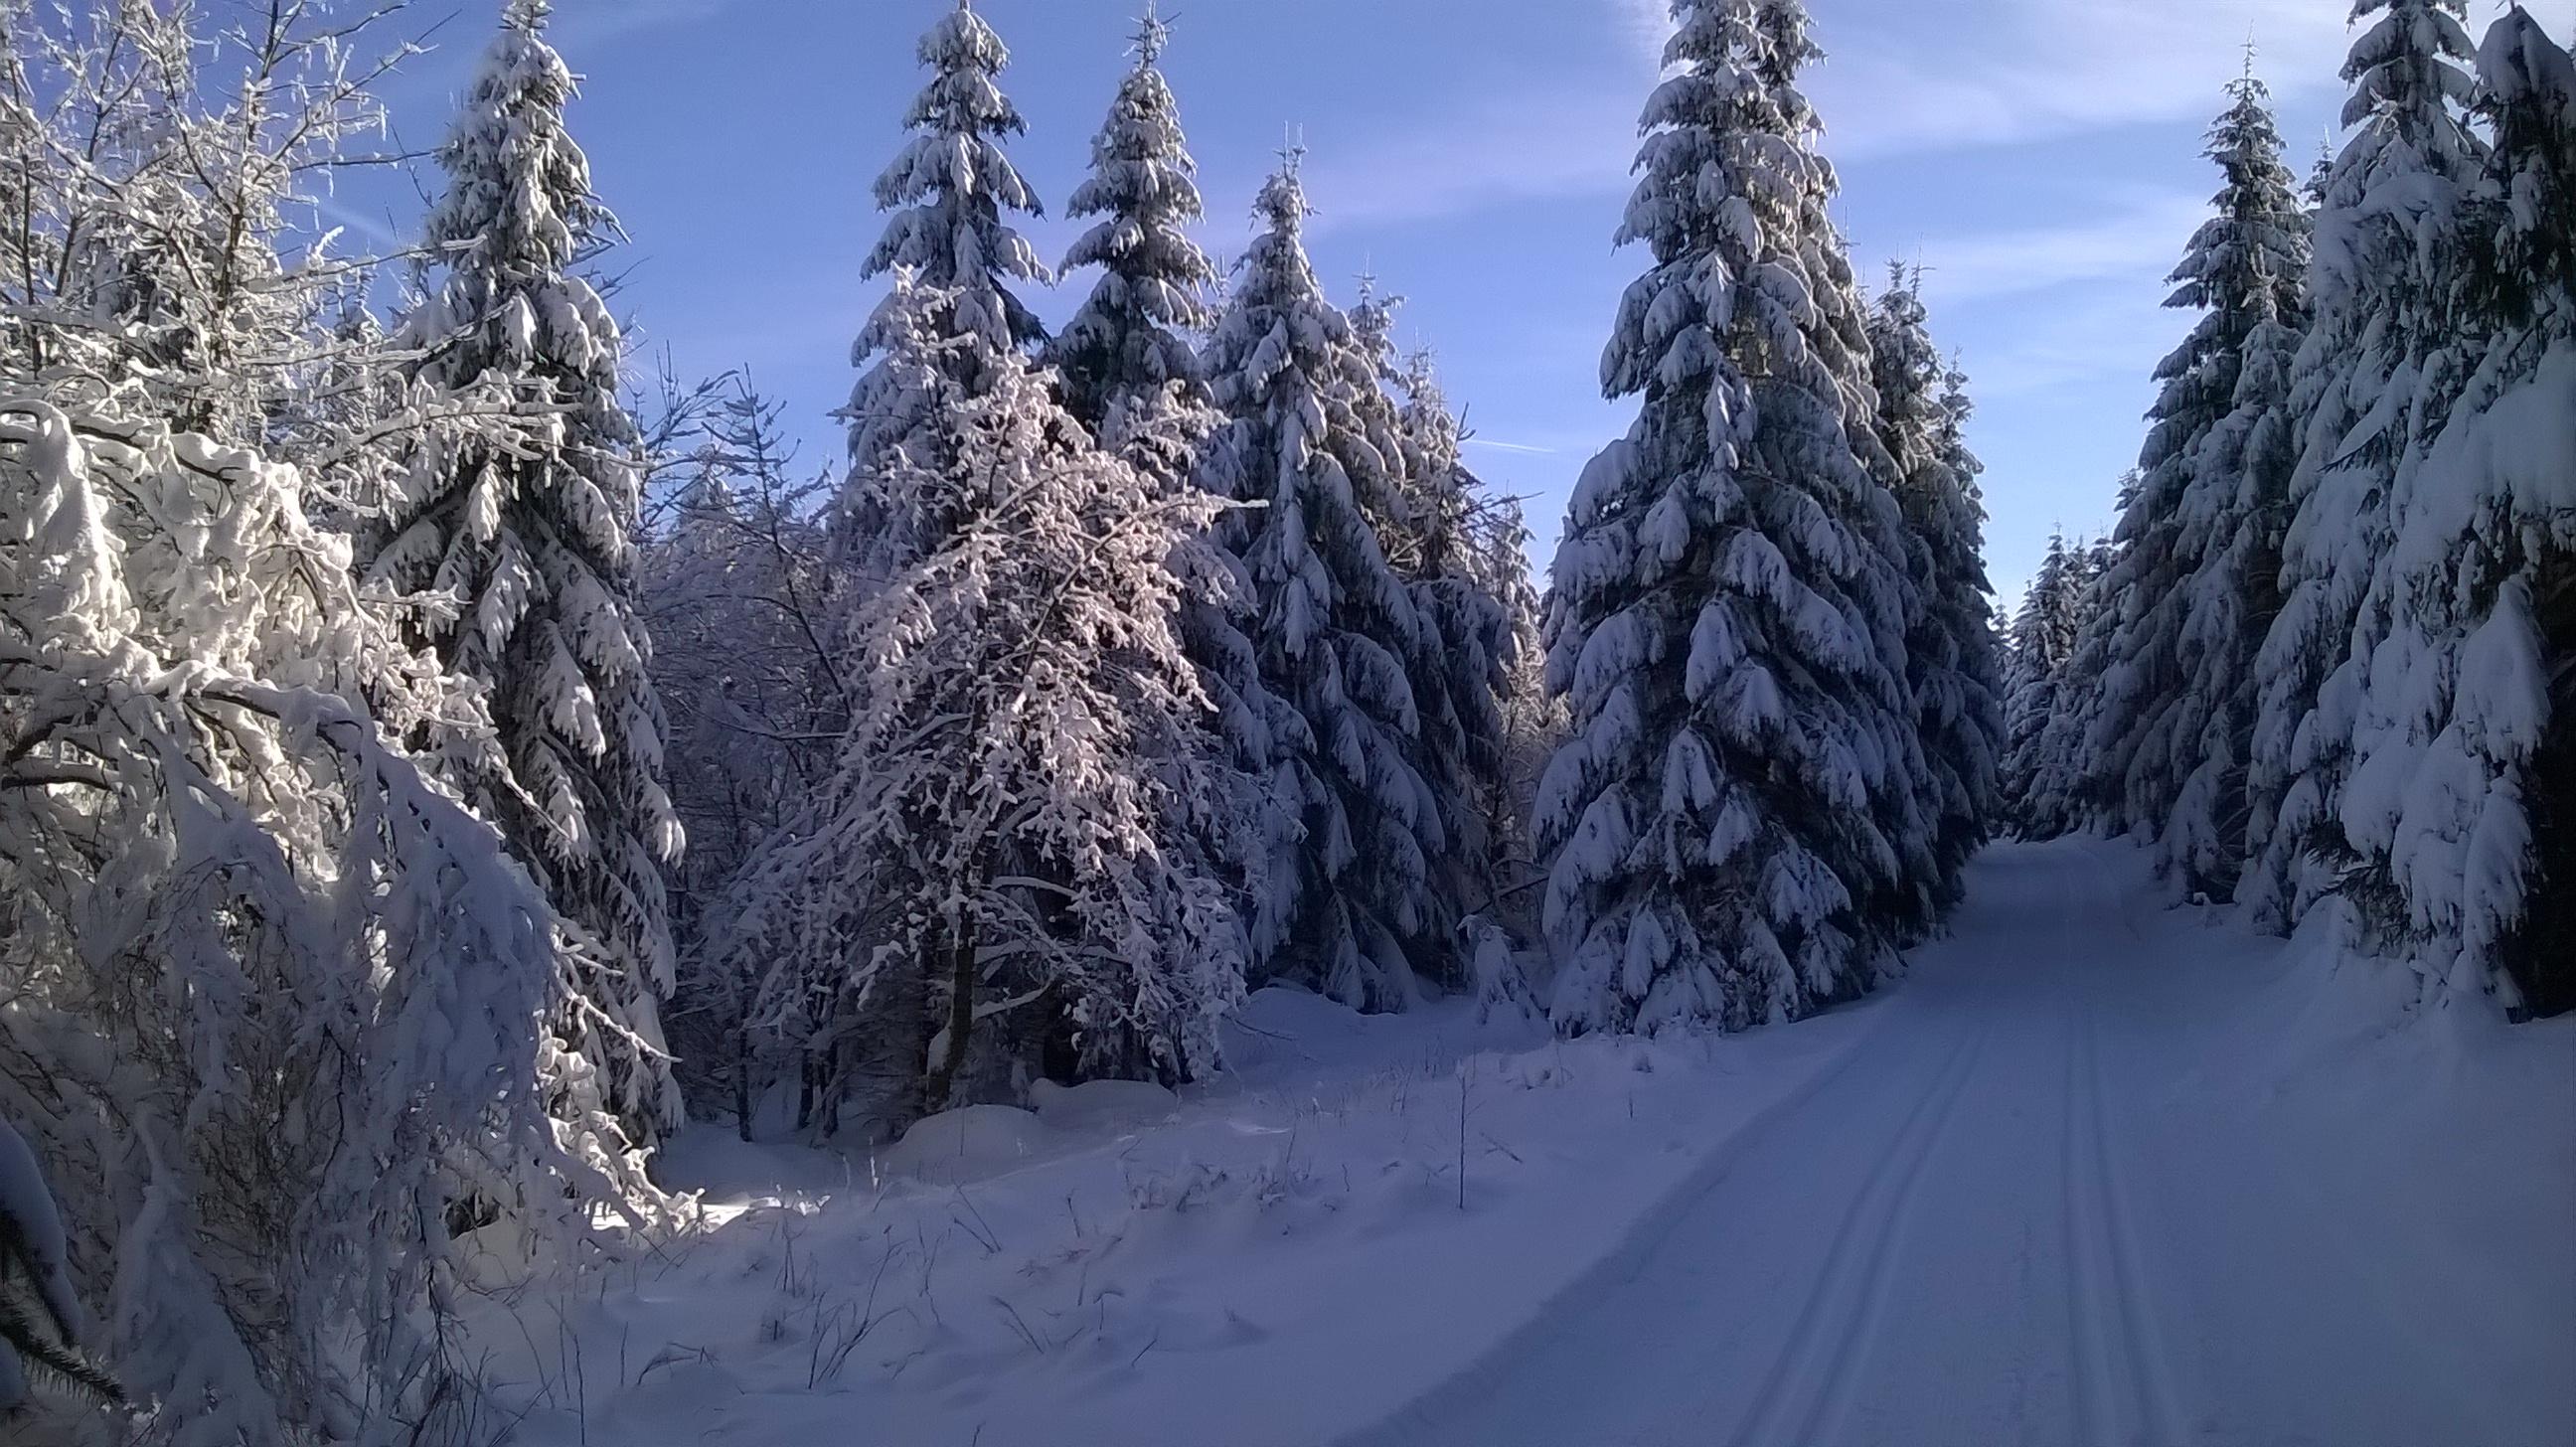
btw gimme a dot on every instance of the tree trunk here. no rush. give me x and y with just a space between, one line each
2537 955
742 1092
960 968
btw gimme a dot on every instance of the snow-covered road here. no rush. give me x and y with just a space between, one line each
2070 1189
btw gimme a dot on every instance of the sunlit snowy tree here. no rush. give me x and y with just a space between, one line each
1727 600
520 547
2248 270
2372 380
950 193
1131 336
1025 726
2458 809
271 988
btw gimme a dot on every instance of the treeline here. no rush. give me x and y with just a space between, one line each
2329 658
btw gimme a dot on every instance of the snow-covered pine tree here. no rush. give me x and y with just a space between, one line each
1464 588
2044 636
1950 647
1128 368
1023 730
1131 337
1129 364
2240 272
2062 786
2249 268
2461 806
951 191
2371 381
1423 519
526 542
1726 600
1352 906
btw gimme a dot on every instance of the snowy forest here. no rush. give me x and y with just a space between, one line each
446 758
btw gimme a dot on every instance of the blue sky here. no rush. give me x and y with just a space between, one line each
2040 156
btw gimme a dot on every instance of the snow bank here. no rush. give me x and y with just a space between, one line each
1281 1257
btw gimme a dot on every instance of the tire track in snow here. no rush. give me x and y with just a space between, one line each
1848 1304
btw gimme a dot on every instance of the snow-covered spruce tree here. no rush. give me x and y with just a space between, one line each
269 986
525 542
2461 807
1024 715
2061 785
2249 268
2044 635
951 192
1716 620
1131 337
1423 519
1352 906
1129 371
1464 588
2371 382
2240 272
1950 647
1907 803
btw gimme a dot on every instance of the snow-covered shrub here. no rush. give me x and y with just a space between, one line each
268 993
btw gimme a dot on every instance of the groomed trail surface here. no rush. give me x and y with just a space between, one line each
2099 1173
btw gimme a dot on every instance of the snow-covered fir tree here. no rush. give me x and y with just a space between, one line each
1129 371
517 550
1467 583
2248 267
2460 811
1132 335
1908 804
1950 647
2150 728
2054 776
2371 382
1353 904
2044 635
1726 601
980 895
951 192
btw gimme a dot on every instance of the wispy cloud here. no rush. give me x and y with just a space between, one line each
1538 143
1904 79
593 22
2026 70
2135 238
1522 448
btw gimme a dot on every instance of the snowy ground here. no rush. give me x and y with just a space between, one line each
2097 1173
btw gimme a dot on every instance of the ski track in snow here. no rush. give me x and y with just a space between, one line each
2001 1225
